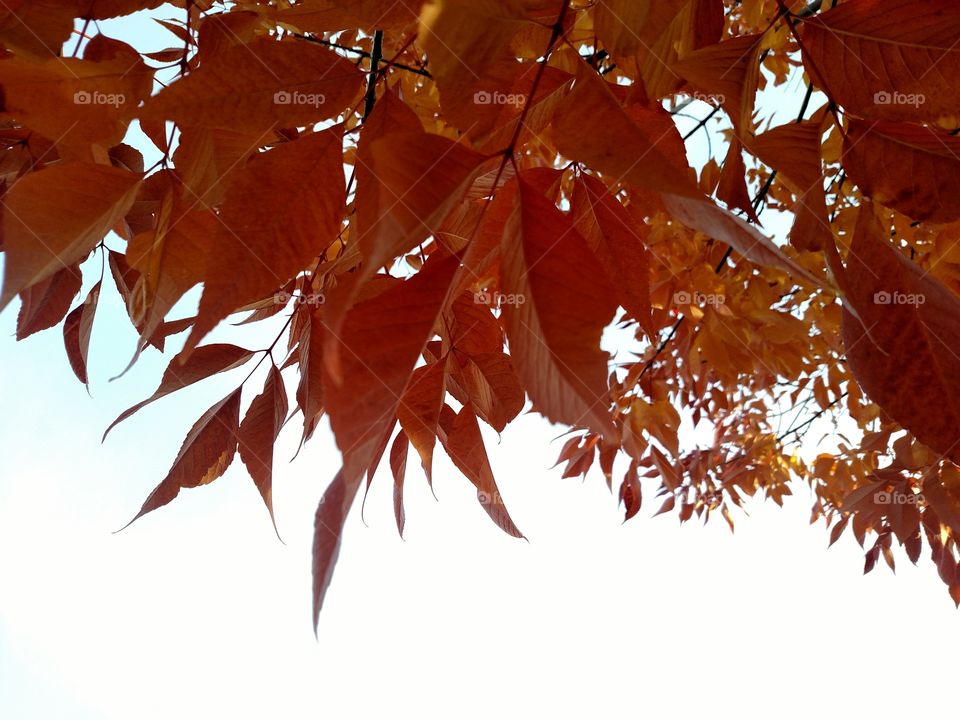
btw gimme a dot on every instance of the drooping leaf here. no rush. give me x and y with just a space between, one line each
902 348
464 445
398 466
202 363
887 60
328 524
419 411
54 217
258 246
912 168
46 303
259 431
76 333
205 455
555 331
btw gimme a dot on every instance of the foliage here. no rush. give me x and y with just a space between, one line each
449 202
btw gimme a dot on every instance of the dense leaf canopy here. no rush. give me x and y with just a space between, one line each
449 203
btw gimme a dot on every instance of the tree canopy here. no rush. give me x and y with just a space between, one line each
448 203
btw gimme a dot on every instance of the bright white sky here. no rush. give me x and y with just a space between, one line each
198 611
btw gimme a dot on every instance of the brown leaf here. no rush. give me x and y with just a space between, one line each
53 218
328 525
76 333
260 86
912 168
563 303
259 246
258 433
205 455
902 349
202 363
464 445
398 466
46 303
885 59
419 411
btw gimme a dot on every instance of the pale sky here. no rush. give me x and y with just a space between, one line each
198 611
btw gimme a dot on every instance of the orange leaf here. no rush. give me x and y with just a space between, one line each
911 168
54 217
398 465
563 305
205 455
202 363
464 445
903 348
328 524
260 245
76 333
419 411
886 59
260 86
258 433
381 341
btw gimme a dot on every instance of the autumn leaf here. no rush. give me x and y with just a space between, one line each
562 305
76 333
258 247
205 455
913 168
464 445
261 86
53 218
46 303
901 345
398 466
202 363
259 431
887 60
328 524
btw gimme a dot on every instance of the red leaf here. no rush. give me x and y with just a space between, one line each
258 433
398 465
464 445
76 333
202 363
902 346
205 455
563 305
328 525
